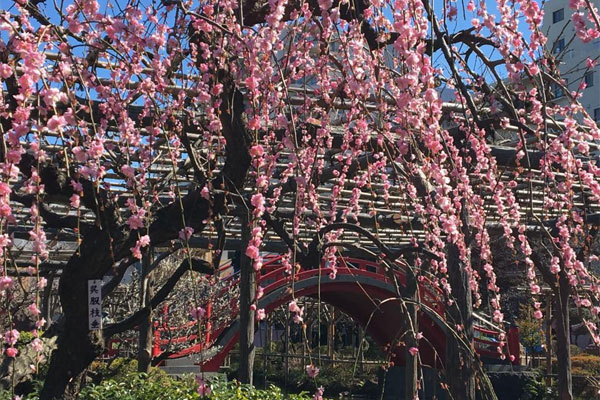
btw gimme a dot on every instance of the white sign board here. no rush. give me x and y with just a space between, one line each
95 304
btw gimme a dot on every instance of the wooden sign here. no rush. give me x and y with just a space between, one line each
95 304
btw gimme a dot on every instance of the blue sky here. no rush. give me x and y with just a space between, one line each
463 21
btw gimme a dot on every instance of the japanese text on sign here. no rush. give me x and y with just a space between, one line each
95 304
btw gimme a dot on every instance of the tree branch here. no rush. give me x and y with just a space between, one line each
200 266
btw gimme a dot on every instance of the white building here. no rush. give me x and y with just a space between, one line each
572 54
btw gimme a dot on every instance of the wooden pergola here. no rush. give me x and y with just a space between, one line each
394 220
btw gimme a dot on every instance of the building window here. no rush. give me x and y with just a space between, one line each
559 45
558 15
570 54
597 115
589 79
557 91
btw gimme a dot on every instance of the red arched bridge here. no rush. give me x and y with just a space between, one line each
362 290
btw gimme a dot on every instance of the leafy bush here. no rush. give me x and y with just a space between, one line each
6 395
158 385
340 379
141 387
586 371
535 388
119 369
586 364
222 390
25 337
120 381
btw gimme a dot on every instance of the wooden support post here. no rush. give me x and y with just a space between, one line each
353 340
331 334
361 352
47 299
549 340
286 364
144 357
410 316
304 340
247 298
266 351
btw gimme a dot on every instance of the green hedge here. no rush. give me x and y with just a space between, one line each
222 390
585 364
139 387
126 385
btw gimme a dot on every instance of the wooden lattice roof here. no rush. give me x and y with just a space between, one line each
395 220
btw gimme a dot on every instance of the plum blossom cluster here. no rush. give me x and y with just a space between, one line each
203 386
121 116
312 371
319 393
297 311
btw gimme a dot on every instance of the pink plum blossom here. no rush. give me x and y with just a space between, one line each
11 337
197 313
33 309
6 282
37 345
312 371
252 252
203 387
256 151
42 283
293 306
75 201
319 393
11 352
5 71
186 233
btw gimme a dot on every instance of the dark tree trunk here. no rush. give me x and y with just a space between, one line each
562 292
563 338
106 243
459 363
77 346
247 298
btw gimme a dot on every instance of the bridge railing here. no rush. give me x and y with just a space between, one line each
273 275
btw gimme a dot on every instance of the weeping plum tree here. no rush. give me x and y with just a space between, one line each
131 124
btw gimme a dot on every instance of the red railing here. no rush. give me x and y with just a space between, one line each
273 276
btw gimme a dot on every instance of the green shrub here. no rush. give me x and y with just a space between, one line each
158 385
6 395
586 379
535 388
24 338
222 390
140 387
121 381
585 364
119 369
